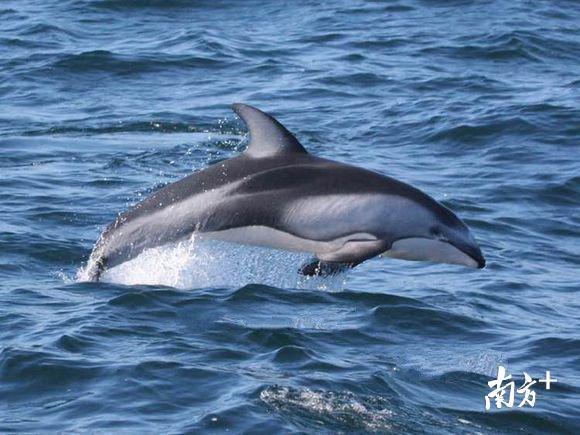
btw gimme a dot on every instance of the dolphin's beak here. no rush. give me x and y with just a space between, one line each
473 251
465 253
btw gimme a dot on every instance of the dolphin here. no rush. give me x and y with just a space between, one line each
276 194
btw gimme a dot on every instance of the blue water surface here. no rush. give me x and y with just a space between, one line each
104 101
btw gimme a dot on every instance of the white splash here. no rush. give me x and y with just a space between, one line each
198 263
368 413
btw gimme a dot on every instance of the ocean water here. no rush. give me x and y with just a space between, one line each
104 101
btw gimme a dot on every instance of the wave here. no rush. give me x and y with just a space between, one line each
48 31
156 4
109 62
431 321
507 46
125 127
37 371
484 130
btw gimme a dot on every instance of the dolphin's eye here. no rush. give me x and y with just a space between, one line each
436 233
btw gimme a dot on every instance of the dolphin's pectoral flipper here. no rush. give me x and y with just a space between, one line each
349 255
324 268
355 251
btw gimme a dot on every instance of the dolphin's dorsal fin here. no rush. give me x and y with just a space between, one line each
267 136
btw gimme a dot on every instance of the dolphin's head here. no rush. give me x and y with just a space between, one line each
431 232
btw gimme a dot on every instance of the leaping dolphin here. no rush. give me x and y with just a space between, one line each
276 194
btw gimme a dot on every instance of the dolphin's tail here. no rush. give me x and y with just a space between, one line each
95 275
96 265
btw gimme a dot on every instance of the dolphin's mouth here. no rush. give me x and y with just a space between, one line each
473 251
437 251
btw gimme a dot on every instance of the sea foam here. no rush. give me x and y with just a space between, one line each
198 263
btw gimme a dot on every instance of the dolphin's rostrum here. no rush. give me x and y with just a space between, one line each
276 194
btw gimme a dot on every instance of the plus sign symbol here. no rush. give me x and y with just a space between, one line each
548 380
